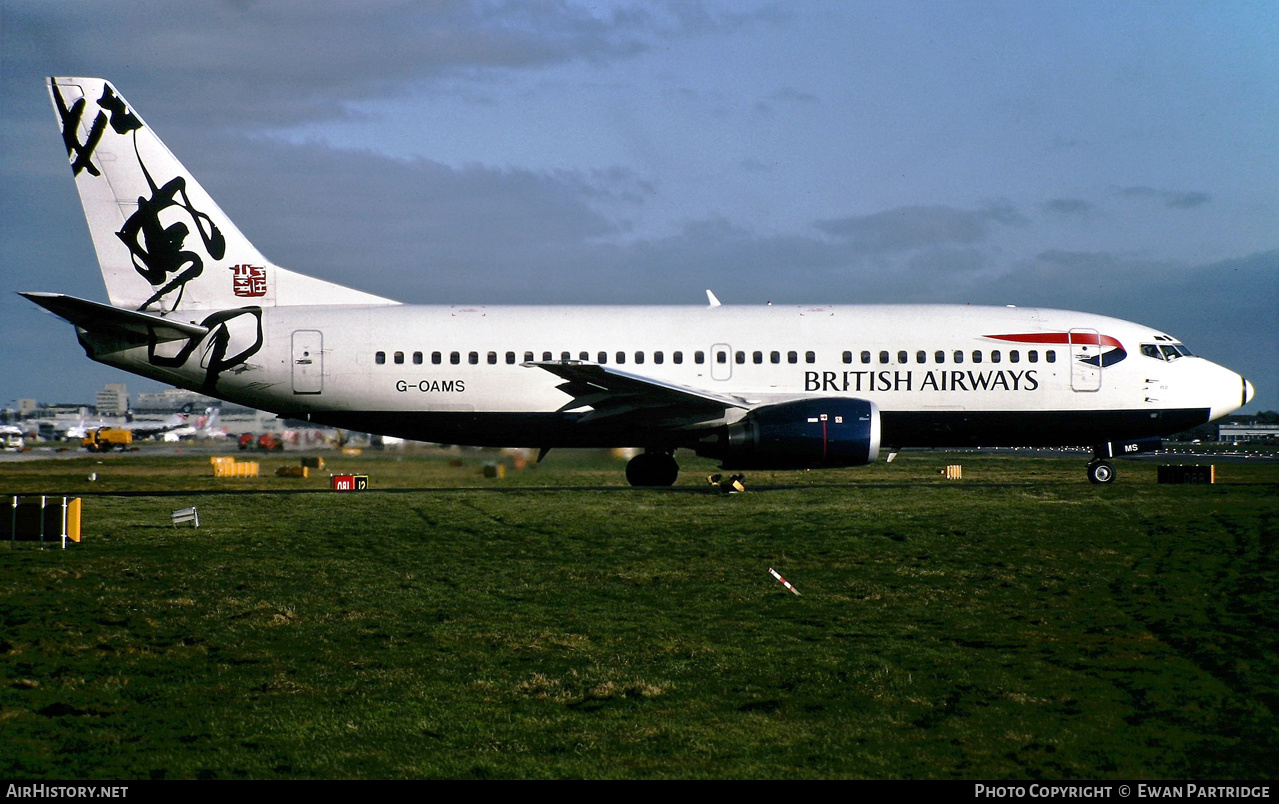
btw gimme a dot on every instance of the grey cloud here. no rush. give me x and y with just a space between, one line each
1170 198
752 165
789 94
913 227
785 95
1067 206
1080 261
292 61
955 267
397 227
1187 200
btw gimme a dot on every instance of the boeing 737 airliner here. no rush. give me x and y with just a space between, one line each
194 304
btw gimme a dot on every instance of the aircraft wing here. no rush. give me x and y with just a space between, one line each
103 318
611 392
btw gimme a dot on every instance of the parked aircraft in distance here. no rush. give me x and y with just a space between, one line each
179 424
193 425
194 304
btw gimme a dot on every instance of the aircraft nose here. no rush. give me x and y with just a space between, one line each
1227 390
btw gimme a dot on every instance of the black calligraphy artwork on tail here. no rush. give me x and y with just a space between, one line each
160 253
228 331
165 256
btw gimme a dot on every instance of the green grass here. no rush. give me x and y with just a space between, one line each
1016 624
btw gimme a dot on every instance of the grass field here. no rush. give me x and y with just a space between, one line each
1016 624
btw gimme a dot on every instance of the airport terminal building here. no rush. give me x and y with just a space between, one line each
1240 433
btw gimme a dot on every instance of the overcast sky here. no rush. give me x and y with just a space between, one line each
1118 158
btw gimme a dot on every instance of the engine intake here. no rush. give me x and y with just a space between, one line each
804 434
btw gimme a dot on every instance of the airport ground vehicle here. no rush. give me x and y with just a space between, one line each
11 439
105 439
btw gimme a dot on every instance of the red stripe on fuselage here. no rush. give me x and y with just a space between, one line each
1087 338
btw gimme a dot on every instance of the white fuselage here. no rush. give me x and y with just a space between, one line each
953 371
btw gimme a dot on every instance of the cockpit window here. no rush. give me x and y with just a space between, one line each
1165 351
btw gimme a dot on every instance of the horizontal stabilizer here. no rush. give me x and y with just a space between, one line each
105 319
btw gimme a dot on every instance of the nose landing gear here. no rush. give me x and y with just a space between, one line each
1100 473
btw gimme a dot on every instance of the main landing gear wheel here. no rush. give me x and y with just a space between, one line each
652 469
1101 473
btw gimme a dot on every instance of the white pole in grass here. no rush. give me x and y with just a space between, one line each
785 582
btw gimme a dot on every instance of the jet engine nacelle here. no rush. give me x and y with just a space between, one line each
804 434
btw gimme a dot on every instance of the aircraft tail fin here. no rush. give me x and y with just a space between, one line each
162 242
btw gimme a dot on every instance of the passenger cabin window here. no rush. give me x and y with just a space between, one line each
1033 355
455 358
379 358
699 358
677 358
621 357
639 357
902 357
959 356
741 357
775 357
848 357
792 357
510 358
757 357
436 358
473 358
546 356
492 358
976 355
658 358
584 356
601 358
866 357
399 358
417 358
939 356
921 356
721 357
528 357
1014 356
884 358
995 356
1050 356
566 355
810 357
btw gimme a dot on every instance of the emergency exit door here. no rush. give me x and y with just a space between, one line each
308 361
721 361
